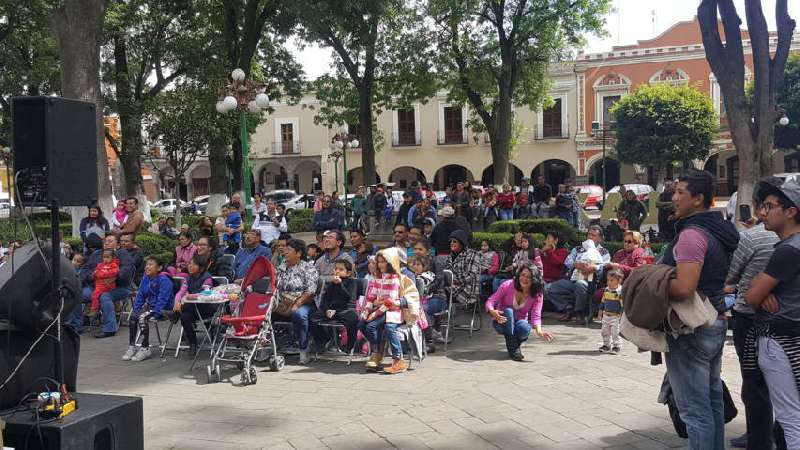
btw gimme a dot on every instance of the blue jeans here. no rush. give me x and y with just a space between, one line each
434 305
108 315
694 362
567 295
506 214
374 332
520 329
300 324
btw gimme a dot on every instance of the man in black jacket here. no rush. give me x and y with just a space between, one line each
440 237
107 300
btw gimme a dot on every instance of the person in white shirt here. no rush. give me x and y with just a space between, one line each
270 223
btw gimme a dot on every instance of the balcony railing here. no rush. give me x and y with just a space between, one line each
451 137
406 139
545 134
286 148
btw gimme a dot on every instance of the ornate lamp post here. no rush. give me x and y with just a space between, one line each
245 96
339 145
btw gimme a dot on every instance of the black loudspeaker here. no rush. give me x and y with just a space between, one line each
55 151
101 422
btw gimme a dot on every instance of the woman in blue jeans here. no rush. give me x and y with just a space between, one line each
297 278
517 309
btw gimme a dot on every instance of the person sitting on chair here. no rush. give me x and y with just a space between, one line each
198 281
154 297
339 304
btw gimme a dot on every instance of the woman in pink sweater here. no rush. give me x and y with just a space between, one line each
516 308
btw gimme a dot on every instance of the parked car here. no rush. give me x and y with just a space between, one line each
288 198
167 205
594 195
642 190
202 202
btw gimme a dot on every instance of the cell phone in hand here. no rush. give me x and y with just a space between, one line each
744 213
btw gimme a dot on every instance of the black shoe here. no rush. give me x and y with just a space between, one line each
192 350
580 319
517 354
739 442
104 334
510 345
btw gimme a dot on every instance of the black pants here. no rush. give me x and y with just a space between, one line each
133 327
761 426
348 318
189 316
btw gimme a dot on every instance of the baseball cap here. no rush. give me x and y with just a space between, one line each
789 189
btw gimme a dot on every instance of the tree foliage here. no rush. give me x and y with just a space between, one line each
661 124
788 137
495 54
381 61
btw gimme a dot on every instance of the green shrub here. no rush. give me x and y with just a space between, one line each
75 243
540 226
498 241
306 213
156 244
299 225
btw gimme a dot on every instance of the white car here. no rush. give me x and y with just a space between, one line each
167 205
642 190
288 198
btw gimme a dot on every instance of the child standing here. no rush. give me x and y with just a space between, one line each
233 235
154 297
198 281
105 280
339 304
611 309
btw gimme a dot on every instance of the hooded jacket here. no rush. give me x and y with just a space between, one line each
408 289
722 240
466 266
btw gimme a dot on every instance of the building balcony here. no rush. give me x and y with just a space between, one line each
406 139
286 148
451 137
554 133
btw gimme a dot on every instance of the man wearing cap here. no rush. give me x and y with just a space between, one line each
775 295
248 253
440 236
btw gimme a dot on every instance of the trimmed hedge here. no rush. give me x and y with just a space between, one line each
300 220
540 226
502 241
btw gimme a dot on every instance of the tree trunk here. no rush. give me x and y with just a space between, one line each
78 27
500 135
367 141
217 157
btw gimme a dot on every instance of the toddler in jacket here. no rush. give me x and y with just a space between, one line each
105 280
611 309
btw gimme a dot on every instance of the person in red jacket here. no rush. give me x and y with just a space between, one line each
105 280
505 202
553 257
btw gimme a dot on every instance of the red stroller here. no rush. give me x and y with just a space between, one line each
249 328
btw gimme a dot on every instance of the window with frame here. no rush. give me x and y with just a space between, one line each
287 138
453 125
551 121
406 127
608 103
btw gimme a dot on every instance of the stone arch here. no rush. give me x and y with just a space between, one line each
596 171
555 171
403 176
355 178
307 177
271 176
514 172
612 80
451 174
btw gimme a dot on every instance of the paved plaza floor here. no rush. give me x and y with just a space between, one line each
565 395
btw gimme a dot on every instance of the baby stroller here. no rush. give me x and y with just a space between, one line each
249 328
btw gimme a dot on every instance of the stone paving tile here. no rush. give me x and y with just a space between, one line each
564 396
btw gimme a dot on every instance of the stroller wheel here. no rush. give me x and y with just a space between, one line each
210 374
253 376
276 363
244 378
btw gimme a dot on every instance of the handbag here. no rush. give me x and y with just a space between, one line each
285 304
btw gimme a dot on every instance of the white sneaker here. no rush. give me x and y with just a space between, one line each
142 354
129 354
304 359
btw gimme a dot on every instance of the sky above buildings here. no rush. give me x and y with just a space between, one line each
633 20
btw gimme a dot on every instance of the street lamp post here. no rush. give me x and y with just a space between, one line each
245 96
604 129
342 142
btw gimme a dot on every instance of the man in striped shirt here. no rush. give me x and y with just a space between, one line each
756 245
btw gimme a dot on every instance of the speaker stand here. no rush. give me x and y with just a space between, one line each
58 299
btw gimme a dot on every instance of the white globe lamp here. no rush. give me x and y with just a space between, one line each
230 103
237 75
262 100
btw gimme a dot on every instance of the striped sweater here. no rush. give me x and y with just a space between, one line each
383 297
750 258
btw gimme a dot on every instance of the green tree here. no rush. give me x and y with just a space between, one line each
660 124
495 54
28 55
788 137
381 61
